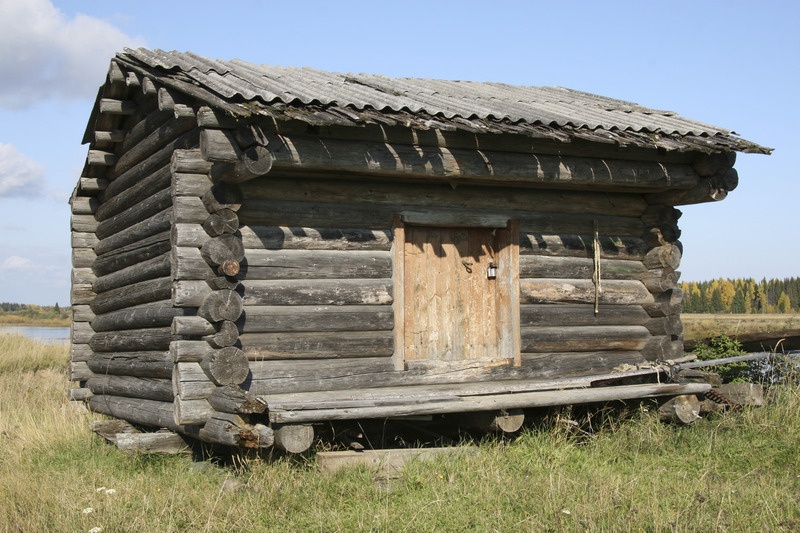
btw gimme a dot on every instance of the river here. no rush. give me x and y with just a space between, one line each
39 333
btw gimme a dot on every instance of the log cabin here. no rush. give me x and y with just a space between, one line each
257 249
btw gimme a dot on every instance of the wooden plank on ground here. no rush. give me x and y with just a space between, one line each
387 462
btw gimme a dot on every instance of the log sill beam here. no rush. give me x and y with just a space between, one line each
348 405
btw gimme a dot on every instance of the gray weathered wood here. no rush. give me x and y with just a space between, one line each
117 107
153 225
81 332
617 292
188 209
660 279
185 184
225 334
189 350
663 348
189 235
188 264
490 402
331 155
156 314
132 340
195 326
666 256
226 366
142 292
531 266
232 430
129 255
222 248
221 305
83 240
84 205
318 292
294 438
162 442
79 371
138 364
583 338
157 267
321 238
581 314
219 146
190 293
428 196
254 162
221 222
683 409
190 382
222 196
148 122
156 139
93 185
274 319
154 204
569 245
82 313
235 400
191 412
664 304
100 158
313 345
83 223
138 411
79 394
189 162
116 199
300 264
134 387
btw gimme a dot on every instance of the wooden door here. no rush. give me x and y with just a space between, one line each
452 303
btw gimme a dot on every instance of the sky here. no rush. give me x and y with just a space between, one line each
733 64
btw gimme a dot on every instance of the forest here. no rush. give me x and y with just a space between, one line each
742 296
16 313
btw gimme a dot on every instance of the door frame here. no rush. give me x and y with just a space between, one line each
507 254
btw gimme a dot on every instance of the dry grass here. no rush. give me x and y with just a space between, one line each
739 472
20 354
703 326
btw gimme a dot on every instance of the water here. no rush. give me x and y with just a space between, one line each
39 333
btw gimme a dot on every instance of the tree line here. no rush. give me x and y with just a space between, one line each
35 312
741 296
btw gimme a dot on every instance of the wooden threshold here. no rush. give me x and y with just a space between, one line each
432 399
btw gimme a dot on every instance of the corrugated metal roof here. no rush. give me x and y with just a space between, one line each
238 81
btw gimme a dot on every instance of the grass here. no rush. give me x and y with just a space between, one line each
738 472
704 326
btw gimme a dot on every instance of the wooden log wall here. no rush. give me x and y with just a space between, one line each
318 262
122 212
197 288
207 256
145 188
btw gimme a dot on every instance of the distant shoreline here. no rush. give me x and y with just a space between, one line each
11 320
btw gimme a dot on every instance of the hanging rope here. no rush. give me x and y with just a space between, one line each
596 275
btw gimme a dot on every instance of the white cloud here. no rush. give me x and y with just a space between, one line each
20 175
44 54
16 262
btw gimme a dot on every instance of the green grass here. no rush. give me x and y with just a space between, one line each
737 472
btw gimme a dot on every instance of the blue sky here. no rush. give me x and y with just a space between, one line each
730 63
